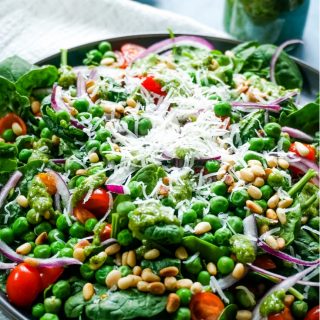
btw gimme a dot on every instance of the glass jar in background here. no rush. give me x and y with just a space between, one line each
266 21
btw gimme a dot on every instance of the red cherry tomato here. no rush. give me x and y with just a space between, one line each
7 121
106 232
131 51
313 314
49 275
283 315
205 306
312 152
121 62
82 214
153 85
98 203
23 285
264 262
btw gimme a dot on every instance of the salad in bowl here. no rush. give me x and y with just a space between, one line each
169 182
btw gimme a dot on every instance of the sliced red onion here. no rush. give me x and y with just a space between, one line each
279 276
93 75
58 161
5 266
271 107
108 242
12 182
298 134
285 285
118 189
284 256
276 56
168 44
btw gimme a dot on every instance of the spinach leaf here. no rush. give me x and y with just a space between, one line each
308 190
157 265
166 234
306 246
290 229
10 212
8 157
14 67
129 304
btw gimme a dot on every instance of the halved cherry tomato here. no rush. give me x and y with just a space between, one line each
264 262
49 275
313 314
98 202
106 232
23 285
7 121
283 315
121 62
153 85
49 180
205 306
82 214
131 51
312 152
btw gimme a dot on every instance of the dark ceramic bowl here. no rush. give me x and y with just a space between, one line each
75 57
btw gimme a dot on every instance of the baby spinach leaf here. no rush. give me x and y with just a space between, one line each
306 247
14 67
8 157
157 265
166 234
290 229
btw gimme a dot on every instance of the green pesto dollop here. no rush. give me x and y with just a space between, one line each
273 303
243 248
38 196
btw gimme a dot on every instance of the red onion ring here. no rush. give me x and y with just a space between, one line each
298 134
12 182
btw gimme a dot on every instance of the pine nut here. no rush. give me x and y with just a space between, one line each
239 271
108 108
281 243
117 115
166 180
137 270
112 249
78 253
90 91
273 201
304 220
169 272
302 149
35 106
93 157
90 83
16 128
253 162
143 286
170 283
254 192
152 254
31 262
118 259
271 214
184 283
281 213
113 278
244 315
88 291
258 182
107 61
24 249
181 253
221 173
202 227
157 288
272 242
128 282
124 258
285 203
173 303
82 244
119 108
228 179
41 238
272 162
263 229
284 164
246 175
22 201
254 207
230 188
73 111
196 288
131 259
81 172
258 171
267 171
131 102
288 300
148 276
55 139
212 269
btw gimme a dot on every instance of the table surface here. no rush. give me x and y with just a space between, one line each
210 13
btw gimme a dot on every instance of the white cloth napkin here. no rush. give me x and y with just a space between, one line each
34 29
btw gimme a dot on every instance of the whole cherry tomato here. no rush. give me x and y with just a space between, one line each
153 85
106 232
131 51
313 314
98 202
10 118
283 315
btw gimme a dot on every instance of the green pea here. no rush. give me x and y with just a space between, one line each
90 224
72 166
125 270
269 143
41 124
213 220
7 235
272 129
222 236
55 235
256 144
239 197
284 144
218 204
182 314
212 166
110 54
66 252
262 203
125 207
42 227
84 116
144 126
313 223
125 237
223 109
72 242
225 250
235 223
130 122
204 278
38 310
92 145
49 316
225 265
20 226
168 202
198 207
25 154
105 148
104 46
193 265
62 223
61 289
64 124
185 296
46 133
299 309
103 134
42 251
240 212
209 237
266 191
96 111
135 188
8 135
219 188
102 273
63 115
275 179
29 236
189 216
52 305
86 272
77 230
81 104
33 217
56 247
95 55
253 156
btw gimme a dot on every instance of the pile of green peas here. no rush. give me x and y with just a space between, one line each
94 56
144 124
